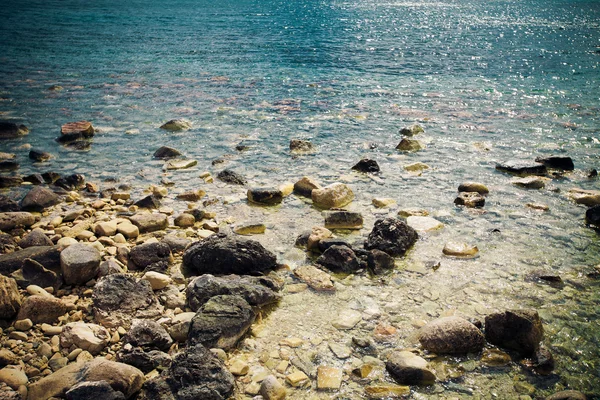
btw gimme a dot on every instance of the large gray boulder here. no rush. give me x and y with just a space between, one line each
79 263
39 198
392 236
451 335
519 330
221 322
256 290
119 298
195 373
221 254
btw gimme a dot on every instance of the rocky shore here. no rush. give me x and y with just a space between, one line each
107 296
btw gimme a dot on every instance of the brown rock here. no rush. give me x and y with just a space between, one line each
10 299
42 309
520 330
451 335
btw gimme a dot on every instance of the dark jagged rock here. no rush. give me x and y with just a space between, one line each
10 130
148 335
145 255
451 335
39 198
50 177
301 146
71 182
195 373
229 176
221 322
39 155
265 196
7 204
15 219
34 273
150 202
144 360
34 179
366 165
592 216
98 390
544 276
221 254
48 256
542 362
8 165
392 236
519 330
380 261
327 243
36 237
257 291
519 167
10 181
7 243
302 239
412 130
339 259
557 162
118 298
165 152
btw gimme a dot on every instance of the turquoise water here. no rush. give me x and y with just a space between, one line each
489 81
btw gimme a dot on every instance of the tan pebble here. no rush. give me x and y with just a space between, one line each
73 355
296 379
329 378
282 366
252 389
23 324
239 367
292 342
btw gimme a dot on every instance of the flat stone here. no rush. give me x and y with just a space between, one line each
179 164
343 220
128 230
342 352
296 379
77 229
589 198
329 378
416 167
386 391
459 249
412 212
192 195
40 309
424 224
91 337
250 228
315 278
530 182
521 167
347 319
79 128
557 162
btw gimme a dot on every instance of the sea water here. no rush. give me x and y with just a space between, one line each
489 81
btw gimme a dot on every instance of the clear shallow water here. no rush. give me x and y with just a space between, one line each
518 78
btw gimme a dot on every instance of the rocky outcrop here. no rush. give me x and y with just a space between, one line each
39 198
519 330
451 335
10 299
392 236
221 322
332 196
118 298
221 254
195 373
121 378
409 369
256 290
79 263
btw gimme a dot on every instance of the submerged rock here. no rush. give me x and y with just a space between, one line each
366 165
557 162
567 395
39 155
266 196
589 198
423 224
222 254
8 165
339 259
176 125
380 261
470 199
10 130
412 130
409 369
592 216
451 335
165 152
232 177
343 220
520 167
530 182
10 181
392 236
299 146
473 187
179 164
256 290
519 330
71 182
459 249
332 196
221 322
410 145
315 278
